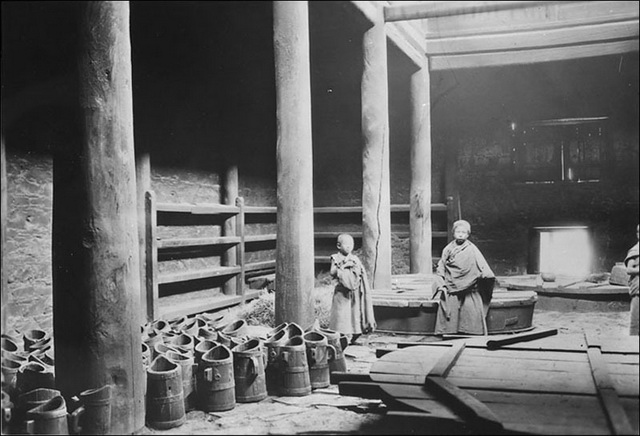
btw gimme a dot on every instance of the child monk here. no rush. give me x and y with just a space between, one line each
464 283
352 307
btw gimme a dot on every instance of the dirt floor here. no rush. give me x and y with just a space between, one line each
327 412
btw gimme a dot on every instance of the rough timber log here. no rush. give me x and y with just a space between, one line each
376 203
420 191
294 250
96 276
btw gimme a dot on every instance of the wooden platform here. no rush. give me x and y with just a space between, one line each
563 384
408 307
571 293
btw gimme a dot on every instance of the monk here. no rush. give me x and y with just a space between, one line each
464 284
352 307
631 262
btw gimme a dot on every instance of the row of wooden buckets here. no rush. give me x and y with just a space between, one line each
28 380
210 365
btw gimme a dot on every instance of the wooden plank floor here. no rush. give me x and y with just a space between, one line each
543 386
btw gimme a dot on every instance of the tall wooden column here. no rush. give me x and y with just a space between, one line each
294 253
230 191
420 193
143 184
4 203
376 201
96 278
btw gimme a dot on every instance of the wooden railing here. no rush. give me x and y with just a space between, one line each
254 248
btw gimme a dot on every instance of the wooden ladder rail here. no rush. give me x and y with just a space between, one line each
617 418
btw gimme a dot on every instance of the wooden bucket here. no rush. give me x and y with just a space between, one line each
28 401
185 342
161 349
236 329
160 326
93 416
295 369
249 361
187 364
206 334
34 338
48 418
7 411
202 348
10 368
294 329
192 326
165 398
8 344
33 375
275 331
339 342
215 380
319 354
273 371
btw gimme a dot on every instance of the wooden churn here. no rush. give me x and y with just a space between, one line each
339 341
48 418
295 369
165 398
215 380
93 415
273 371
249 361
319 354
187 364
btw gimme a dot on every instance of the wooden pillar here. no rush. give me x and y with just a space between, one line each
376 201
452 197
96 278
230 192
295 273
420 193
4 203
143 184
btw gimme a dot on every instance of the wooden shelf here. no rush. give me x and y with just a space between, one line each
260 238
435 207
198 209
202 301
197 242
257 266
260 209
183 276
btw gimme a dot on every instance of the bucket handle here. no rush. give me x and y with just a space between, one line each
332 352
253 366
211 375
344 342
74 420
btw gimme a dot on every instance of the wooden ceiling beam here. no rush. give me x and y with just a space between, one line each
543 38
553 16
522 57
435 9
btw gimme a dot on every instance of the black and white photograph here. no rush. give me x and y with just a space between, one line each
320 217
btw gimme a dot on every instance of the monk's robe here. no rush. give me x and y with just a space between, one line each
632 255
352 306
469 282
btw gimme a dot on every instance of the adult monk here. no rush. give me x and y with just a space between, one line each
464 284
